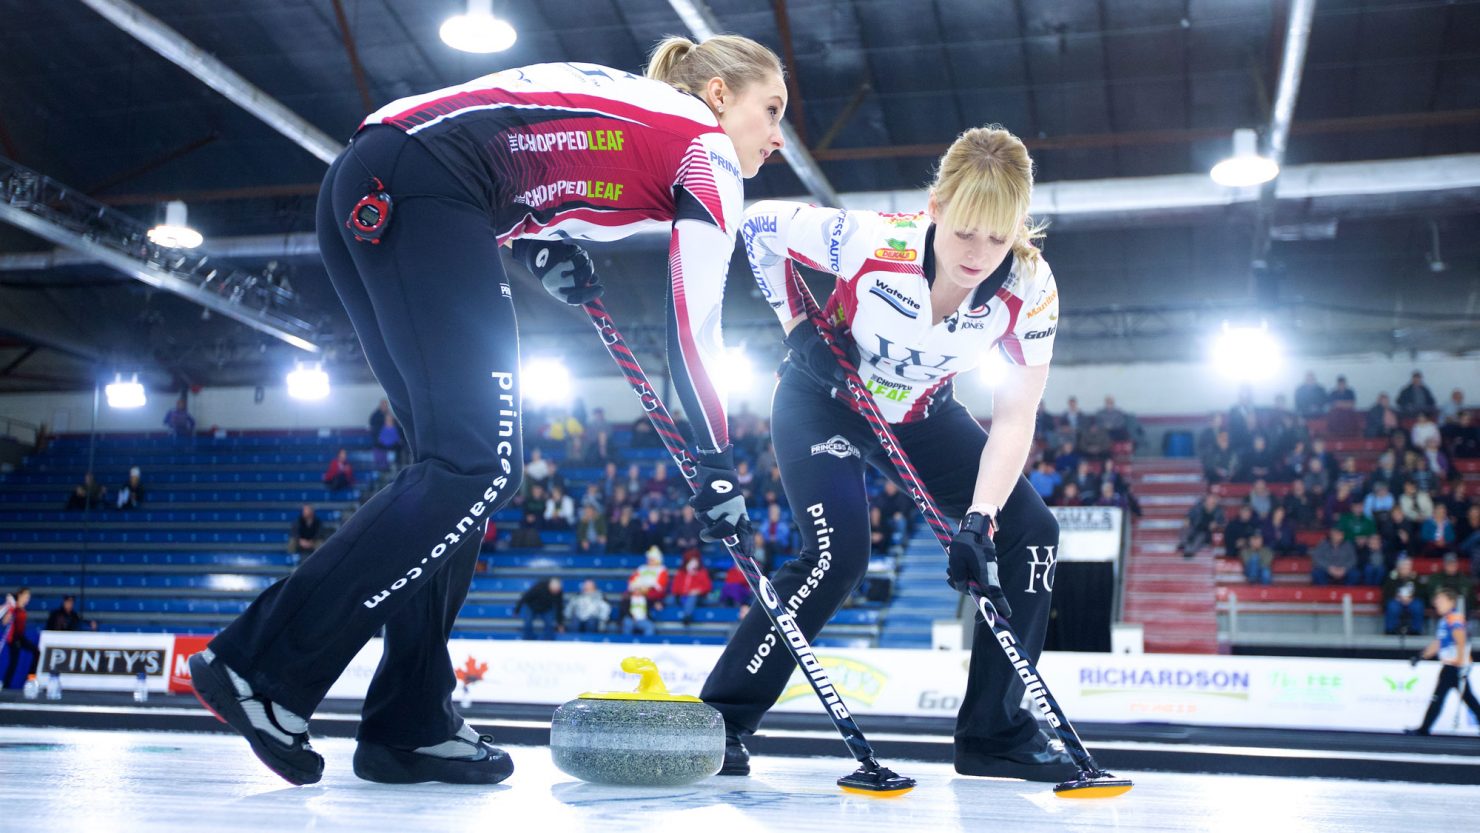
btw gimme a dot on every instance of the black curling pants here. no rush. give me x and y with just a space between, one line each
822 446
1450 679
431 306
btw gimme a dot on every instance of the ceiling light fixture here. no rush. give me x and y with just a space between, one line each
175 232
1245 167
478 31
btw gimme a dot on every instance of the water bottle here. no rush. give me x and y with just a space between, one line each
54 686
141 688
32 688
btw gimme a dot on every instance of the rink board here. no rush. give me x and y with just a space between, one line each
1211 690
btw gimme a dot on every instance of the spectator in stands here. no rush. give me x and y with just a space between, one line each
1120 425
690 587
1463 437
377 417
1279 533
1318 452
1083 477
881 535
1258 560
1420 475
1045 424
594 499
1342 397
131 493
341 473
1469 545
1243 419
1109 497
1350 477
1416 505
1299 505
1379 501
1292 464
1405 594
597 424
545 601
1398 533
537 470
1336 503
1371 560
1068 458
1453 406
1072 420
1424 429
601 451
66 617
1069 495
1310 397
179 421
1451 576
734 590
625 533
591 530
684 534
1355 523
87 495
562 426
745 479
1415 398
1236 534
588 610
1207 438
1335 560
1436 461
1094 440
1398 443
527 535
1317 479
635 618
307 533
20 640
560 510
1261 499
654 530
1045 480
1436 534
658 489
1381 418
1220 462
1204 519
777 534
897 507
650 579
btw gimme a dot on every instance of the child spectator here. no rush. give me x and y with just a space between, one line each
1452 646
131 493
1258 560
1236 535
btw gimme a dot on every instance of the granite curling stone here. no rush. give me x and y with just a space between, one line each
646 737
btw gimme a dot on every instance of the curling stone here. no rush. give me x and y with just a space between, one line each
646 737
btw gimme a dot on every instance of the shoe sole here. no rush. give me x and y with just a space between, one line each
735 769
982 767
226 708
387 765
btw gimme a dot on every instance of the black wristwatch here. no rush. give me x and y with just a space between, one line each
980 523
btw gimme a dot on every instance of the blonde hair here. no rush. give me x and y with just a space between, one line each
687 65
985 180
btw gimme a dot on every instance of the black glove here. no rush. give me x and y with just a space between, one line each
718 503
813 355
1415 659
973 562
563 268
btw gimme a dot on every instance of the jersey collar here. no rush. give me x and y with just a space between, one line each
985 290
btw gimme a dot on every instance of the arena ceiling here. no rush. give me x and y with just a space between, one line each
1101 90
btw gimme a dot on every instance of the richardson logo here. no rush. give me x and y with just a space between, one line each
123 662
1039 334
855 680
837 447
898 250
1113 680
1045 303
603 140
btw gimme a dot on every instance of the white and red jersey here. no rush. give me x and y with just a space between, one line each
586 152
884 267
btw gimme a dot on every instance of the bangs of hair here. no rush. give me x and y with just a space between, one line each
980 199
985 181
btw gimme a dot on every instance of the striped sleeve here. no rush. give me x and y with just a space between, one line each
709 199
776 232
1029 339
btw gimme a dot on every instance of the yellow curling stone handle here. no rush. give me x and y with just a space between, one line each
650 687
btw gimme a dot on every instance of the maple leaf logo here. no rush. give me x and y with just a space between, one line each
471 672
897 245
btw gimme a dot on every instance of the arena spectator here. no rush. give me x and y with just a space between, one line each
1381 418
625 533
734 591
1342 397
690 586
1335 560
600 451
341 472
1355 523
377 417
597 423
776 532
1317 479
562 427
20 640
1416 505
1436 534
1470 544
1243 419
1072 420
1069 495
179 421
1420 475
881 535
1067 460
897 506
536 502
1416 398
1318 452
1258 560
1279 533
588 610
1261 499
1120 425
527 535
1310 397
635 618
650 579
89 494
537 470
1045 424
654 530
1204 519
591 530
545 601
1046 480
684 537
1450 575
560 510
1424 429
67 618
1386 471
1405 594
307 532
1453 406
594 499
1109 497
1299 505
1221 461
1236 535
1207 438
1463 437
1437 461
1379 501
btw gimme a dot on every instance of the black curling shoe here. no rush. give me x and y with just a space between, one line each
278 737
737 757
466 758
1040 759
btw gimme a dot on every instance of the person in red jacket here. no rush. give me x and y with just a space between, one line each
690 585
341 473
17 638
